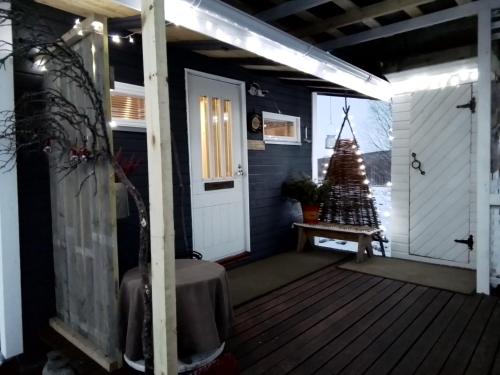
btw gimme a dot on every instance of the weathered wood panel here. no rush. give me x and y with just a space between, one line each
84 227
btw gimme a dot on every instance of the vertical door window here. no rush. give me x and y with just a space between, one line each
205 138
216 124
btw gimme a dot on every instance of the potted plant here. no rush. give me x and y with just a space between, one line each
308 193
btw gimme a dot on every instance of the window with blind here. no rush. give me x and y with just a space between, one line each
127 107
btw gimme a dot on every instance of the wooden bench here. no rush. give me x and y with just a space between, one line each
362 235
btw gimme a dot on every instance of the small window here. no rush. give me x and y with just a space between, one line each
127 107
281 129
216 138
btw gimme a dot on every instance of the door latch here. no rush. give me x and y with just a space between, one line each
469 242
471 105
240 171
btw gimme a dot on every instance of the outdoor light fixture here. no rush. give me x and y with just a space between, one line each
232 26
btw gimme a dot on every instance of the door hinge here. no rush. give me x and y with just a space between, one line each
471 105
469 242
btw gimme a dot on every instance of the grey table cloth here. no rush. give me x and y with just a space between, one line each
204 310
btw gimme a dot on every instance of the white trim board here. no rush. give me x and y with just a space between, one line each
11 330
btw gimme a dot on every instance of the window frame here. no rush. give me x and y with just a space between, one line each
279 140
128 89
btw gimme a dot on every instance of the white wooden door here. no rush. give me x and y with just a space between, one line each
440 200
219 184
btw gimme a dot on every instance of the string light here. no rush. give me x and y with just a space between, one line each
389 184
360 160
112 124
366 181
116 38
358 152
362 167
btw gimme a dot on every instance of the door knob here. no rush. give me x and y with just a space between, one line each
239 171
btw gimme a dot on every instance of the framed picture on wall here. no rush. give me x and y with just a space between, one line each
281 129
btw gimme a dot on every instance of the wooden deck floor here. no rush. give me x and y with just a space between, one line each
341 322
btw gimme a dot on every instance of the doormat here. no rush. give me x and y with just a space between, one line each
263 276
442 277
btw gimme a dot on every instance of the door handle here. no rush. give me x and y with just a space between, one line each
239 171
417 164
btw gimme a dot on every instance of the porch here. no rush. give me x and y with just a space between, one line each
334 321
330 321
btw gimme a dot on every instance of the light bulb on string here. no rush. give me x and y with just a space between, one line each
358 152
115 39
131 39
360 160
366 181
369 196
77 23
389 184
362 167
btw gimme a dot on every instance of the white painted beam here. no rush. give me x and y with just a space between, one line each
416 23
482 240
161 206
232 26
11 329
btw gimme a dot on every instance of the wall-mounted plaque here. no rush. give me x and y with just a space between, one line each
256 145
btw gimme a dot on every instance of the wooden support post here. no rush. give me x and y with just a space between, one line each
160 186
483 150
11 330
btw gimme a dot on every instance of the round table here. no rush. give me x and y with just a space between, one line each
204 311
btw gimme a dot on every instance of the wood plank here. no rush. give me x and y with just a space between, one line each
300 301
268 330
109 364
304 321
484 355
312 364
389 327
459 358
440 351
331 328
422 347
309 339
282 292
387 341
426 329
161 207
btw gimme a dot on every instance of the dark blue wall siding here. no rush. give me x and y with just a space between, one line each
270 214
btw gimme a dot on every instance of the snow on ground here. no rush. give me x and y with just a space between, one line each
382 196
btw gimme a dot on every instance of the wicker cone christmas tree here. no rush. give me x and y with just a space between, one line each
350 201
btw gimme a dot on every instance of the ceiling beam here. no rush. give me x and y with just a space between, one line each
288 8
204 45
427 20
348 5
359 15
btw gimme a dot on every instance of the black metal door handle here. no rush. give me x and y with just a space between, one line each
417 164
469 242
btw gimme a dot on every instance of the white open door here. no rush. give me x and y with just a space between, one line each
218 165
440 199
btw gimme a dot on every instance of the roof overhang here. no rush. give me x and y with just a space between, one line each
232 26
